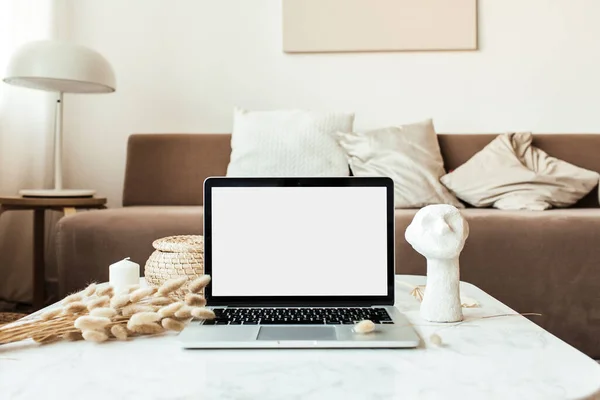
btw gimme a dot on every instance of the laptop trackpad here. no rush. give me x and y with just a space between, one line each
296 333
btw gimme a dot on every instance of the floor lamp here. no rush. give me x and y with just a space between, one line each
59 67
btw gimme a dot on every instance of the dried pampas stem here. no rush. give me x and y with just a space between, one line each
72 336
46 339
198 284
171 285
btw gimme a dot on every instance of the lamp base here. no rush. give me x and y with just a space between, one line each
57 192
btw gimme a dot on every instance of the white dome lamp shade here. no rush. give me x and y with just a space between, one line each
60 67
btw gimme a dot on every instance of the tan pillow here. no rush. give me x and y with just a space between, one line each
409 154
511 174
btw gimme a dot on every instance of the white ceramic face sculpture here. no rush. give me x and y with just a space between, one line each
438 232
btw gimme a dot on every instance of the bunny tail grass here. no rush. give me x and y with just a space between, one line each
119 331
196 300
203 313
198 284
171 285
139 294
170 310
88 322
94 336
172 325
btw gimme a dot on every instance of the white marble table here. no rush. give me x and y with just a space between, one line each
493 358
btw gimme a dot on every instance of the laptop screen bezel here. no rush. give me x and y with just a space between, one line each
300 301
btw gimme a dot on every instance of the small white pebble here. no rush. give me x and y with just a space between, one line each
365 326
435 339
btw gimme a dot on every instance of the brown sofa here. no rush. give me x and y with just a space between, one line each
543 261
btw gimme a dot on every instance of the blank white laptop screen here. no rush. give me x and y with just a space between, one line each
299 241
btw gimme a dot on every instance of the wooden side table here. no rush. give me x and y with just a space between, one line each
39 205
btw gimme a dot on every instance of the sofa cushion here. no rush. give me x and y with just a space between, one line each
511 174
409 154
288 143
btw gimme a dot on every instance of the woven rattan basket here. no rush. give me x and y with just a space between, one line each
174 257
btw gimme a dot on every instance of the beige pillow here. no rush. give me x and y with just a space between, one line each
511 174
409 154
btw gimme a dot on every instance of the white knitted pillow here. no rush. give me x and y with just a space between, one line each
288 143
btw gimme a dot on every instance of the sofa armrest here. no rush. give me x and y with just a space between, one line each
170 169
88 242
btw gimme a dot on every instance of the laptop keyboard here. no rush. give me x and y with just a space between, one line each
298 316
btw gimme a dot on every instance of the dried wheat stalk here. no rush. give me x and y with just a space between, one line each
98 314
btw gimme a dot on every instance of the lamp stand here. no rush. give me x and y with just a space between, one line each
58 190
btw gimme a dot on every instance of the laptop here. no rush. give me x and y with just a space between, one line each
297 262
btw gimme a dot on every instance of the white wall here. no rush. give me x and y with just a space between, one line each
182 65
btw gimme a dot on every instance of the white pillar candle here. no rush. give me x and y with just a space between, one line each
123 273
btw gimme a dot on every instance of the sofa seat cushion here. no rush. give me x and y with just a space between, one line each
545 262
